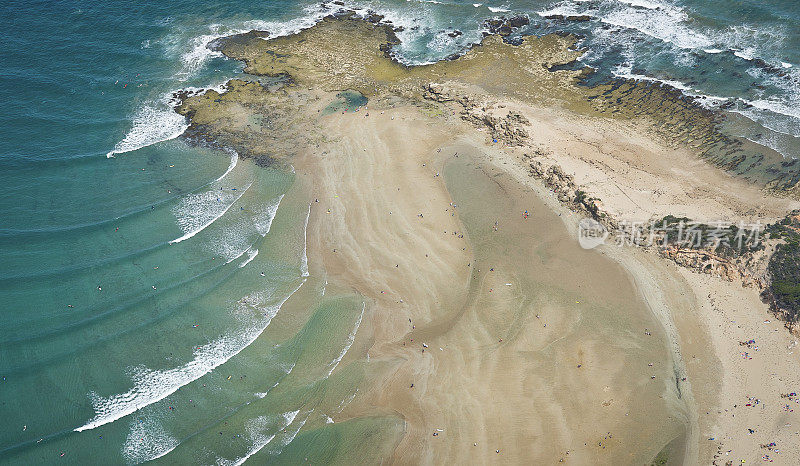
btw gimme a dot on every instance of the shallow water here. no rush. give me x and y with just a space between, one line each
347 101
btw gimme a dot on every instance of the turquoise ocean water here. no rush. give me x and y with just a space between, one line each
139 276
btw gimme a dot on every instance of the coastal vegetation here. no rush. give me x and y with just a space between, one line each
784 268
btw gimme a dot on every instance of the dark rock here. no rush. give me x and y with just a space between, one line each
579 18
505 26
219 43
569 18
519 21
455 33
374 18
344 14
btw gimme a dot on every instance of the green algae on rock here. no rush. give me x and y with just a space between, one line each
347 53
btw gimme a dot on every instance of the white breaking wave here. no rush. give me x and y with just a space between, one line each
774 116
250 256
152 123
146 441
263 219
346 401
264 394
705 100
304 257
232 241
643 4
156 122
625 72
231 166
666 25
151 386
256 429
565 8
779 113
498 9
776 106
237 238
197 53
290 436
350 339
197 212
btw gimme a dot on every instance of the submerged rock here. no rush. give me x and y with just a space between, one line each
505 26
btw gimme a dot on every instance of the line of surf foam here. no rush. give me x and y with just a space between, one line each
226 250
231 166
250 256
194 221
350 339
346 401
237 238
705 100
152 123
259 439
288 371
263 220
773 116
289 436
157 121
147 440
304 257
151 386
671 23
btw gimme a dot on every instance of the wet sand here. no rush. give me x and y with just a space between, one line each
515 339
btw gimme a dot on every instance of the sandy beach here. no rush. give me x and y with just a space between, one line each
490 332
501 353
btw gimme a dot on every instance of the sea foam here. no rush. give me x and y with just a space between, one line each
256 431
250 256
152 123
146 441
350 339
196 212
304 257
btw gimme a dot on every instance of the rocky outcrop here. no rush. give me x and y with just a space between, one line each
706 261
579 18
505 26
508 129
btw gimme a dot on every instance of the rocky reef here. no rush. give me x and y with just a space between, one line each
345 51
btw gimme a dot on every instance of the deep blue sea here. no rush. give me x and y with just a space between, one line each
139 275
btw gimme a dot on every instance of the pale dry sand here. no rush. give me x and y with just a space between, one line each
637 176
